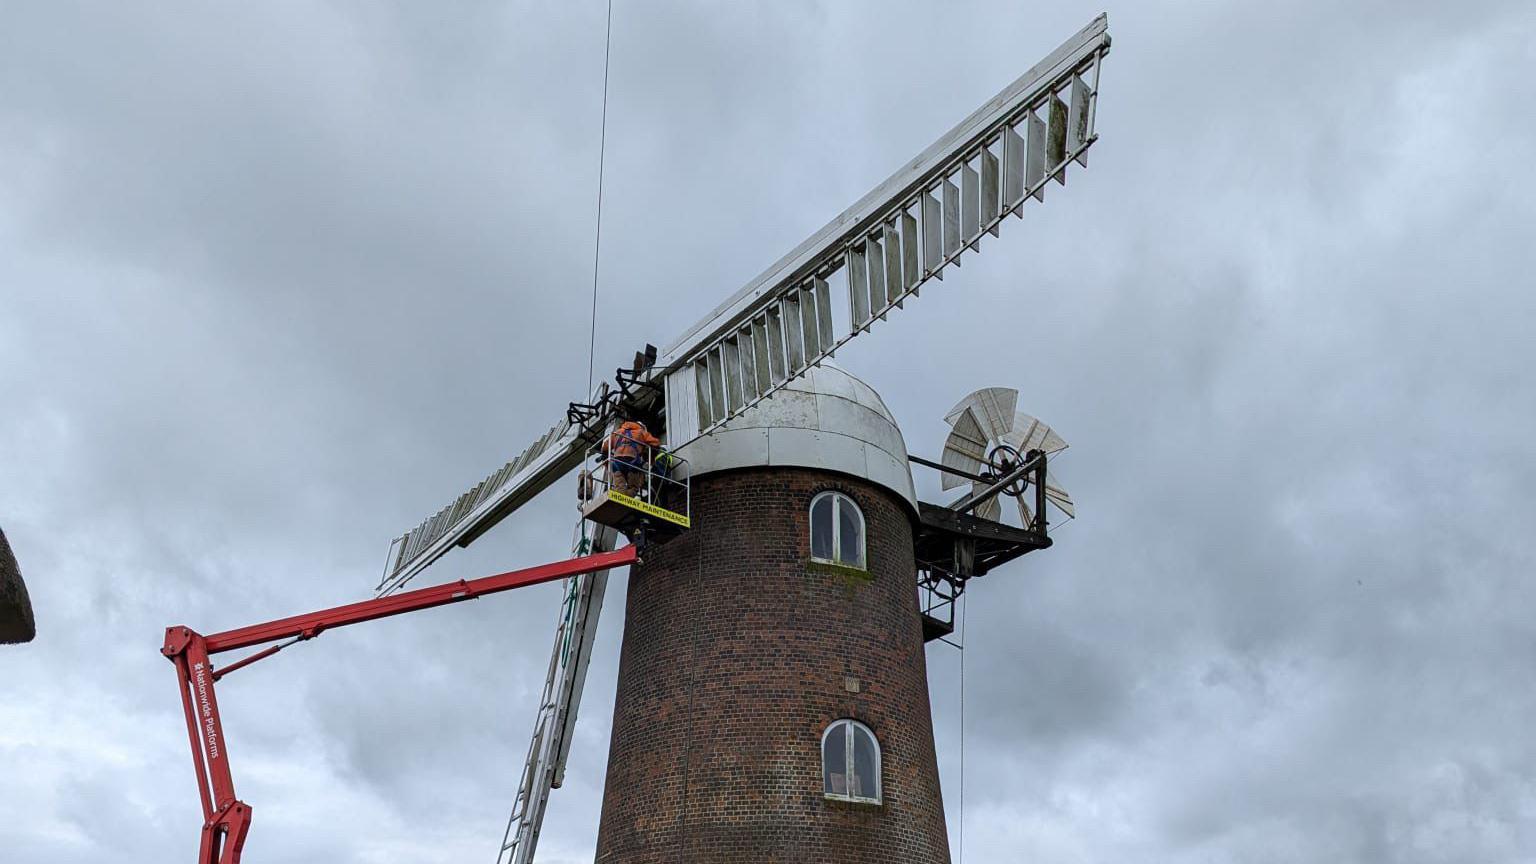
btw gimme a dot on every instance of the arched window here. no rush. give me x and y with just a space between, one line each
837 530
850 762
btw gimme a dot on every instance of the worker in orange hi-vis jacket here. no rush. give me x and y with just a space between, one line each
628 449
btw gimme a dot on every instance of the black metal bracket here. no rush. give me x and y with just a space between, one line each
632 390
1032 466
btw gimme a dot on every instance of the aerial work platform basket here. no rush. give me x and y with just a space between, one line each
646 491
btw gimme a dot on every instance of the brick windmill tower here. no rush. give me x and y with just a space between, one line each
772 699
773 695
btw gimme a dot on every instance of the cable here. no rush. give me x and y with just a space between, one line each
602 154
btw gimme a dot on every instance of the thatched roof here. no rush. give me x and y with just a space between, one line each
16 624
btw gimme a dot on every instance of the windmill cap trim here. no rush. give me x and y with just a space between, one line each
826 419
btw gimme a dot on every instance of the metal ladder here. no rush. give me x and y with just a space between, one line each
544 767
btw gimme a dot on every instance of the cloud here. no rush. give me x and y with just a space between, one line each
278 280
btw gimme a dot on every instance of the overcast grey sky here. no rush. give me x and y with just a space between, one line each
278 279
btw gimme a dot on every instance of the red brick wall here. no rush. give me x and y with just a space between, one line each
734 661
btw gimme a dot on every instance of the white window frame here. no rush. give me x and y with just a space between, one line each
839 500
853 726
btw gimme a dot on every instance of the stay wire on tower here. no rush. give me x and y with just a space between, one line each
602 153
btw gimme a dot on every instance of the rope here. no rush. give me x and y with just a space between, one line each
602 154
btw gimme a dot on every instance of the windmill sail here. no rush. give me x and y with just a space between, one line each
988 419
884 248
544 768
880 251
540 464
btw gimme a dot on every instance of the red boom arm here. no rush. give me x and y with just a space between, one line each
226 819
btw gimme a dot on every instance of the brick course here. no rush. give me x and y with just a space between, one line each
734 661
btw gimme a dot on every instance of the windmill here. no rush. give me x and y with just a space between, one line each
772 699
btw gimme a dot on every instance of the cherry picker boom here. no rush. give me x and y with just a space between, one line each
227 819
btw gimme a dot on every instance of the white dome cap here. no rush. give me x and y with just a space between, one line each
825 419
